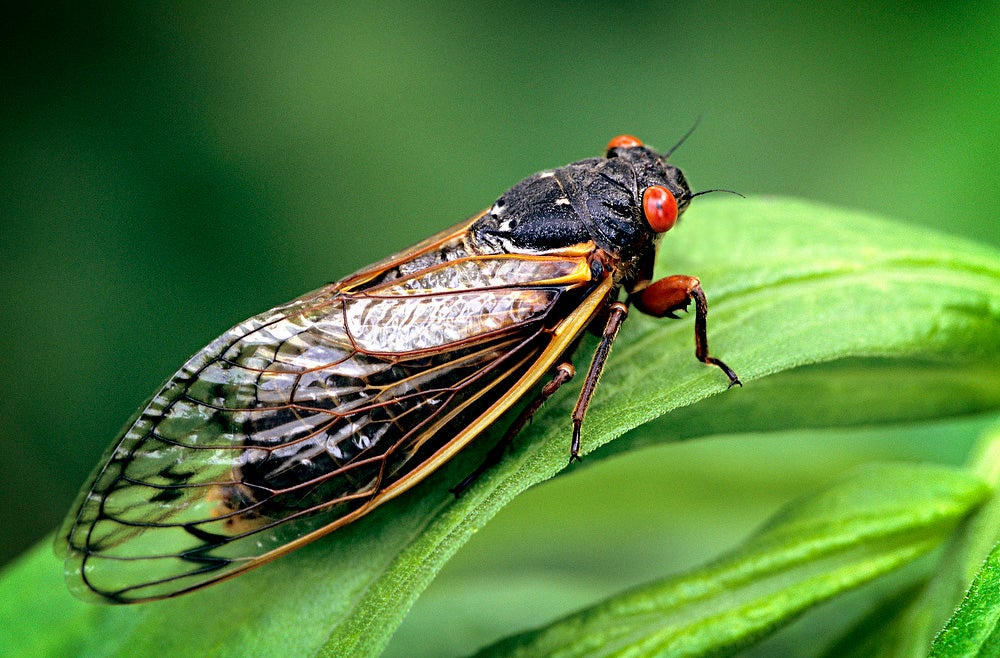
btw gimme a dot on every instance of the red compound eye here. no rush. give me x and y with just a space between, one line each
624 141
660 208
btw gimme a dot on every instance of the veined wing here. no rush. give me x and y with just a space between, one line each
300 419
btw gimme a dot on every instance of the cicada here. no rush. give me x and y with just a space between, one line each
306 417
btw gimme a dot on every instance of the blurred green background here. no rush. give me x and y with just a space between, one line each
167 170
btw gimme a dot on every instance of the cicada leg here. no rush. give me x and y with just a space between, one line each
617 313
674 293
564 373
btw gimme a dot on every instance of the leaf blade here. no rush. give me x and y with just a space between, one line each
789 284
857 529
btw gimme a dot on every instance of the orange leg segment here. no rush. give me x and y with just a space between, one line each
674 293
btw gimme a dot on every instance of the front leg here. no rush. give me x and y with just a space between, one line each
673 293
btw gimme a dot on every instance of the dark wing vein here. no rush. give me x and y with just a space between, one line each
289 423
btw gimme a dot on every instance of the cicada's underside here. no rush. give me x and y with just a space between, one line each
301 419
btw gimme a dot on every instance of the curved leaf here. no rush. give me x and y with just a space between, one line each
789 284
975 628
906 625
876 519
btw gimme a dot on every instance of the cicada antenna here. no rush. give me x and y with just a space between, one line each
691 196
682 139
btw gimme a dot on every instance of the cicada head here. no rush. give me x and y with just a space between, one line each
622 203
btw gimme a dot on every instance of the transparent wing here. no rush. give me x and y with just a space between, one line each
298 420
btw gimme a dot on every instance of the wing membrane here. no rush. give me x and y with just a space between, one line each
298 420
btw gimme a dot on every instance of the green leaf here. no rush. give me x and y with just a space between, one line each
790 284
905 626
872 521
974 629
